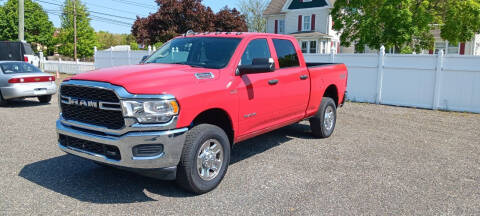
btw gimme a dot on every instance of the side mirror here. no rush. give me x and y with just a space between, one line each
259 65
143 59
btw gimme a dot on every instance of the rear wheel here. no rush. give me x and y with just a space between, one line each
323 123
205 159
3 102
45 98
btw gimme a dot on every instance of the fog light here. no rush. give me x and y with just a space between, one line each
147 150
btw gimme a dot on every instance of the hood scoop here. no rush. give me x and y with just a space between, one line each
207 75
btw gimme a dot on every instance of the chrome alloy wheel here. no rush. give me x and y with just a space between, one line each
209 159
329 118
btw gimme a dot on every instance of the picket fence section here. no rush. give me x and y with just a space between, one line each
450 82
67 67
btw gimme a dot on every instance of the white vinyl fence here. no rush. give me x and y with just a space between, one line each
104 59
450 82
67 67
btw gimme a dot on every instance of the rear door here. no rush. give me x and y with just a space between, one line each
293 77
258 93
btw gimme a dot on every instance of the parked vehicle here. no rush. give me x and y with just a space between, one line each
177 115
23 80
18 51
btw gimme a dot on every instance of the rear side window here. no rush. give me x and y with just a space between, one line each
18 67
257 48
287 55
28 49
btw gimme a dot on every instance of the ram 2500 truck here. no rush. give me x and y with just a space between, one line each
178 113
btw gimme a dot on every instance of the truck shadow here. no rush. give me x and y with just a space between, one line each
23 103
85 181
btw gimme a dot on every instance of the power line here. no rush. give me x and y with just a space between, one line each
113 9
127 2
96 18
107 14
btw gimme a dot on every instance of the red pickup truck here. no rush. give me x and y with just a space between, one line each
178 113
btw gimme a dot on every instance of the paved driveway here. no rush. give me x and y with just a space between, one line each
381 160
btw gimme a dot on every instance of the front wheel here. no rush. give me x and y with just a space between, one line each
45 98
323 123
205 159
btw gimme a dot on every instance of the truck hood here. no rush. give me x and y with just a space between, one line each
148 78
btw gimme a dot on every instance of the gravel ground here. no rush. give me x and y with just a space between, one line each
380 161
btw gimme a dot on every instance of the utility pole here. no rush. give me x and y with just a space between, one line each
21 18
74 30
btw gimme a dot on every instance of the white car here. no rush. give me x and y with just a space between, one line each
23 80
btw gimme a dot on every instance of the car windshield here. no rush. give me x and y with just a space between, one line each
207 52
18 67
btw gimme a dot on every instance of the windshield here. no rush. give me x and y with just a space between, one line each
207 52
18 67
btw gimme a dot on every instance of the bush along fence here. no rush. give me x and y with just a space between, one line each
443 82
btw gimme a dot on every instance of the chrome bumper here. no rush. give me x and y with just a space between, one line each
172 141
23 90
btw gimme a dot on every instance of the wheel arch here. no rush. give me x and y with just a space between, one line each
332 92
218 117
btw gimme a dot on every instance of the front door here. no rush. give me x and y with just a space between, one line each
259 94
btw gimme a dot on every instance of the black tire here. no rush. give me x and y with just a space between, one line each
3 102
45 98
188 176
317 122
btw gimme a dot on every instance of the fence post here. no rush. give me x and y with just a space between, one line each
94 55
381 61
40 61
111 56
438 79
332 55
149 49
59 65
129 56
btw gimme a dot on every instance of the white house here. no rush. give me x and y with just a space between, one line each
468 48
307 20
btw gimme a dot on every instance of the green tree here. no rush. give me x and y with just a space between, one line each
404 24
86 38
106 40
253 12
38 29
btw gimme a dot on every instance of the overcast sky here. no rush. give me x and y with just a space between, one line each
117 16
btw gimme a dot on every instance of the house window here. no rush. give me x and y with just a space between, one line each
309 46
281 26
440 46
453 49
307 23
304 46
313 46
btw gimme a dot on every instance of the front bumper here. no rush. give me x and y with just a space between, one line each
22 90
172 140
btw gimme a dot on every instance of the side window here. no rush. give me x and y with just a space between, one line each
257 48
287 55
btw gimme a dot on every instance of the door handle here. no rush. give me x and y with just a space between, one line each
273 82
304 77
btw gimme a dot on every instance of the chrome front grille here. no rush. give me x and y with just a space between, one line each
111 117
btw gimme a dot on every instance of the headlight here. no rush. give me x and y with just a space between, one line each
155 111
